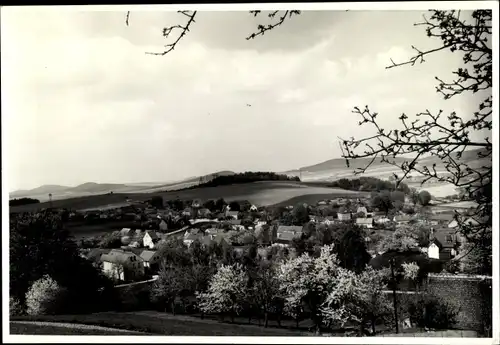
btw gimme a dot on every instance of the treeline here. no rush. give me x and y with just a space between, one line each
369 184
23 201
246 177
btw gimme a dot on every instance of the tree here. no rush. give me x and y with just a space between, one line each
111 240
300 214
414 196
226 291
410 270
157 202
350 247
220 204
357 298
40 246
401 240
210 204
266 289
15 307
306 281
45 296
453 134
424 197
382 201
171 281
235 206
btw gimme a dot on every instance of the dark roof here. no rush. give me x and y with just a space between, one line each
442 239
95 253
152 234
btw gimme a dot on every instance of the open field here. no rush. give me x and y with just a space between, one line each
259 193
163 324
49 328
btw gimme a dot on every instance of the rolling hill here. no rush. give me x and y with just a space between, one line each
327 171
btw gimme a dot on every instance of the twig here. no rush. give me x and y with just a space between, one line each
167 31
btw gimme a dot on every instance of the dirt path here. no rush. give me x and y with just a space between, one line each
76 326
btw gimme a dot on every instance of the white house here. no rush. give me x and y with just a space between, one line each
433 251
122 265
150 239
260 223
344 216
365 222
253 208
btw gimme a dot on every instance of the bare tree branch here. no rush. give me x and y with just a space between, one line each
262 29
444 137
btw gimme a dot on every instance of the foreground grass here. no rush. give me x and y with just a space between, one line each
161 326
33 329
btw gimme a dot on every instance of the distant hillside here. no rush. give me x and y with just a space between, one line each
335 169
92 188
45 189
340 163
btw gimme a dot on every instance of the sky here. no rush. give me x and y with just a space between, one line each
84 103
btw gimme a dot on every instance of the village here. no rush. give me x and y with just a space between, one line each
133 254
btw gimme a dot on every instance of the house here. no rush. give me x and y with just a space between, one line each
94 255
186 212
321 203
315 219
441 218
260 223
150 259
329 220
233 214
163 226
191 237
381 220
212 232
286 237
150 239
254 208
469 221
362 209
344 214
204 212
365 222
122 265
285 234
442 246
402 219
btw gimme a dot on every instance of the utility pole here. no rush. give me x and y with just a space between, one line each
394 295
50 200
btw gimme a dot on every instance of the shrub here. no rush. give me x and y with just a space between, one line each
431 312
45 296
15 307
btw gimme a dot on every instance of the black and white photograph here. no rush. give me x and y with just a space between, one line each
251 172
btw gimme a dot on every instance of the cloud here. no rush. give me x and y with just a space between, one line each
87 103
